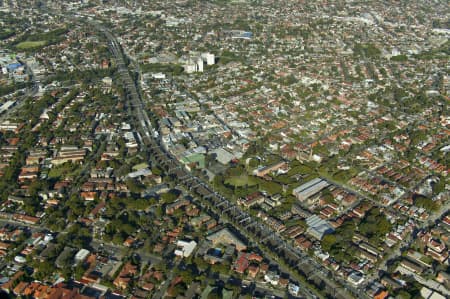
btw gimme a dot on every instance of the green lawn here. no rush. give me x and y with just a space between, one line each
242 180
301 169
30 44
64 170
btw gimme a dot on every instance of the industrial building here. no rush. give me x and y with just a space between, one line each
310 188
318 227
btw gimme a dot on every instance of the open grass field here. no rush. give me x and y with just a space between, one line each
242 180
30 44
64 170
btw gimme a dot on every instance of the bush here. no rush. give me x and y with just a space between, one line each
399 58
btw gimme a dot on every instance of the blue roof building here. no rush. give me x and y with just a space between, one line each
13 66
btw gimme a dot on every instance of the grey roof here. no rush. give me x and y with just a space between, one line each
318 227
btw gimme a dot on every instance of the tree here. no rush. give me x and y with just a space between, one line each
399 58
118 238
328 241
269 186
157 170
44 269
67 272
76 206
374 225
80 269
424 202
178 289
170 196
36 186
439 186
404 294
134 186
32 206
187 276
215 294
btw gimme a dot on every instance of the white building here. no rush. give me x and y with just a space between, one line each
20 259
272 277
293 289
196 62
355 278
209 58
185 249
158 76
107 81
81 255
190 67
200 65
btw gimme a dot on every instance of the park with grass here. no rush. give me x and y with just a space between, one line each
68 169
26 45
36 40
241 180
